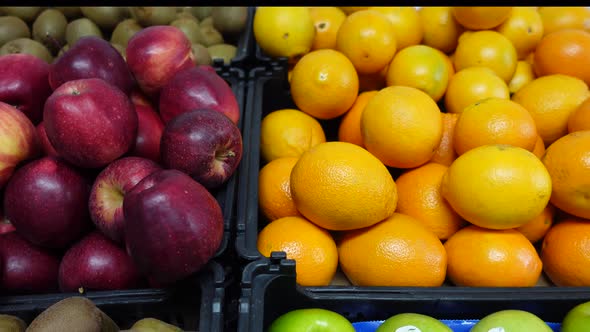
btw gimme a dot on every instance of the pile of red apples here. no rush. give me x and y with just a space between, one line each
107 166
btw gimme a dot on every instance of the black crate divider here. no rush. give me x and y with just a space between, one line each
245 45
269 290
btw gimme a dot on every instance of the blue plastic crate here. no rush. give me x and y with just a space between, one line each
455 325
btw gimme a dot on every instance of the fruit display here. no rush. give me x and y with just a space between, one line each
434 158
215 34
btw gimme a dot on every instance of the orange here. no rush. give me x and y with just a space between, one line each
539 149
488 49
530 58
419 196
536 229
497 186
350 126
524 28
327 21
350 10
367 38
481 18
401 126
559 18
471 85
288 133
313 249
580 118
274 189
567 163
450 66
441 30
494 121
421 67
564 52
565 253
324 84
445 153
406 24
284 31
551 100
341 186
398 251
479 257
524 74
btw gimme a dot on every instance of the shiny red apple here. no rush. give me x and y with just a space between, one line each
24 84
90 122
149 133
46 146
197 88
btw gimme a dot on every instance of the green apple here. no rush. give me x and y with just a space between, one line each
511 321
311 320
577 319
410 322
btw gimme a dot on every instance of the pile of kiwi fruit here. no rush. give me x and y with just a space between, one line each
47 32
78 313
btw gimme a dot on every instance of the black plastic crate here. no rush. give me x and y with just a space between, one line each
245 46
269 290
196 306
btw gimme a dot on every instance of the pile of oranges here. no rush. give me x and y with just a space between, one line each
485 112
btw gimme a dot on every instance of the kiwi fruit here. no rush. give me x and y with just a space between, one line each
79 28
27 14
186 15
11 323
121 50
50 29
222 51
207 21
229 20
190 28
152 324
210 36
105 17
148 16
201 55
124 31
202 12
74 313
12 27
27 46
70 12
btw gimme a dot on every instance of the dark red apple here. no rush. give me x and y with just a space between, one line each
92 57
18 140
90 122
47 202
46 146
197 88
24 84
5 225
155 54
96 263
173 225
149 133
205 144
26 268
109 189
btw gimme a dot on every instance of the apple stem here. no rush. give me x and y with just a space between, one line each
224 155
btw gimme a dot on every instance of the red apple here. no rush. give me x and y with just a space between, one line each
18 140
173 225
205 144
149 133
96 263
26 268
138 98
5 225
46 146
90 122
155 54
109 189
24 84
47 202
198 88
92 57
